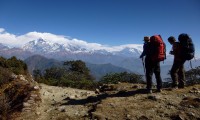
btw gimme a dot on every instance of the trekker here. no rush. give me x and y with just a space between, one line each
145 46
152 65
177 70
182 51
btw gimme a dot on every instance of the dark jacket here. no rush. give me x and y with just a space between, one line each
177 51
145 50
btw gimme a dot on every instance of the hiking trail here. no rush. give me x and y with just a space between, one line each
121 101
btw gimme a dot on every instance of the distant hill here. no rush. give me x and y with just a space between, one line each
41 63
97 70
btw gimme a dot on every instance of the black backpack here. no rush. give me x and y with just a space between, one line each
187 46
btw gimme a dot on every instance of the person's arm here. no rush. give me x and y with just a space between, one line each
175 48
143 52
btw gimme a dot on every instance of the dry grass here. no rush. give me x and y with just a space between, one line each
4 107
190 102
12 96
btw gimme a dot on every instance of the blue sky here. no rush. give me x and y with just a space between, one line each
109 22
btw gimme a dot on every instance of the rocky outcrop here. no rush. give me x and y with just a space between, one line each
21 95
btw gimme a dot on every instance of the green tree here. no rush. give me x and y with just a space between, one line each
73 74
54 72
37 74
114 78
16 66
79 67
2 62
5 75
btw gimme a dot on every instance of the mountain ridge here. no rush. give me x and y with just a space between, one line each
38 62
124 56
41 45
73 50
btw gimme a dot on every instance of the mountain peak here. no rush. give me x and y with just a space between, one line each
40 40
43 46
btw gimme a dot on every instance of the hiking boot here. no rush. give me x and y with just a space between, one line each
175 88
149 91
181 86
158 90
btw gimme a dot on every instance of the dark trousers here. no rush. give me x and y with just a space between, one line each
153 67
178 73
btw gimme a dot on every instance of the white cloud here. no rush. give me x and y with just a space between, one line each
2 30
8 39
46 36
18 41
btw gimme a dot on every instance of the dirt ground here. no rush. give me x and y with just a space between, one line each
122 101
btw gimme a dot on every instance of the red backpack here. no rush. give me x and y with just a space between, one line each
157 48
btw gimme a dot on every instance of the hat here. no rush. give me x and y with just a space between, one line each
146 38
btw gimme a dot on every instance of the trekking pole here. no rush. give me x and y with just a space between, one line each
191 64
144 67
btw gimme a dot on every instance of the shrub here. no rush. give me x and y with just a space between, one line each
13 95
5 76
15 65
73 74
4 107
193 76
12 90
114 78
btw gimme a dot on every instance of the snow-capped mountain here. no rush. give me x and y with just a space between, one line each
124 56
43 46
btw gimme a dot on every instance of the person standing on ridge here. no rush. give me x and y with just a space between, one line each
153 52
182 51
177 70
